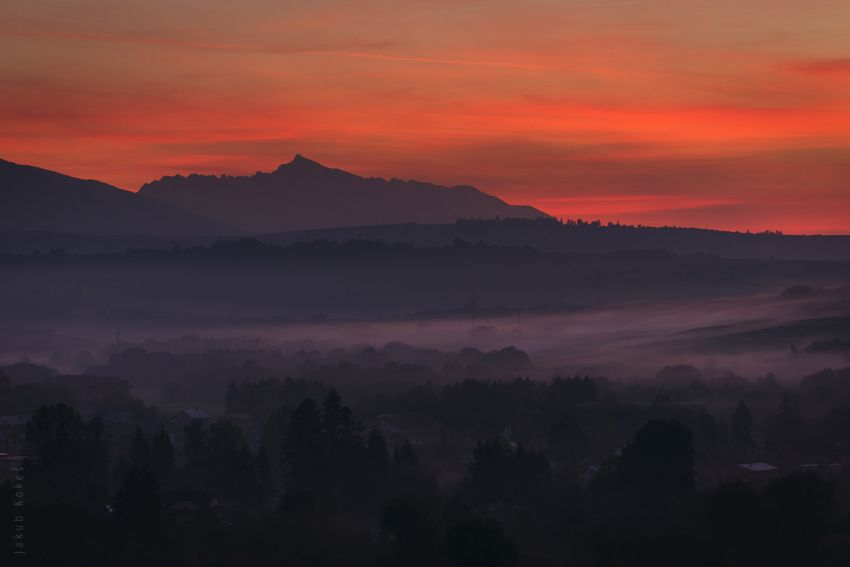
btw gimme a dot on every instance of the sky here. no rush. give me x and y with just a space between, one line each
722 114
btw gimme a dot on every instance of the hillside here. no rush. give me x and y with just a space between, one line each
35 199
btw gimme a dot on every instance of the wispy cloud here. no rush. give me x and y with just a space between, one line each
818 67
607 205
360 49
437 61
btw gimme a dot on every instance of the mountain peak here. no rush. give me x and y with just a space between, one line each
300 163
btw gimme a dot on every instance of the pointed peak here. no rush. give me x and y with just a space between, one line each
300 162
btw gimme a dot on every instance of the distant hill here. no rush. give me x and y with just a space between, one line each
34 199
251 281
551 235
547 235
304 194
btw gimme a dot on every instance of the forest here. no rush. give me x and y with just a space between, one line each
686 467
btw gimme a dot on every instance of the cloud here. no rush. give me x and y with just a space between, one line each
822 67
360 49
611 205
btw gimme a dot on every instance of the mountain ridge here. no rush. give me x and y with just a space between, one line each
33 198
303 194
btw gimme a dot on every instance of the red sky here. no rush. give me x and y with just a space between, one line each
727 114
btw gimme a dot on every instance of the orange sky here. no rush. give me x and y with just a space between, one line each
724 114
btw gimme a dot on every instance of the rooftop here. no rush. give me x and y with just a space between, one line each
758 467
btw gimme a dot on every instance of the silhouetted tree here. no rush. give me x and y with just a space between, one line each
788 430
567 442
500 473
139 454
137 504
263 472
561 393
339 426
232 460
414 529
332 416
405 457
706 435
162 457
376 452
477 542
742 422
232 400
303 447
659 463
803 507
71 461
736 516
272 434
220 460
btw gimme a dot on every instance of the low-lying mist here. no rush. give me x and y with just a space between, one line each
750 335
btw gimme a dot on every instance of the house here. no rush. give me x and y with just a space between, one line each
13 421
758 473
182 419
524 432
188 506
758 467
186 416
13 434
587 470
823 469
11 442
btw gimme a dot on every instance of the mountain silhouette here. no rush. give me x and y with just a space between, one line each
35 199
304 194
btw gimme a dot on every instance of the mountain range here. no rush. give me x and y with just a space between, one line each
298 195
302 201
